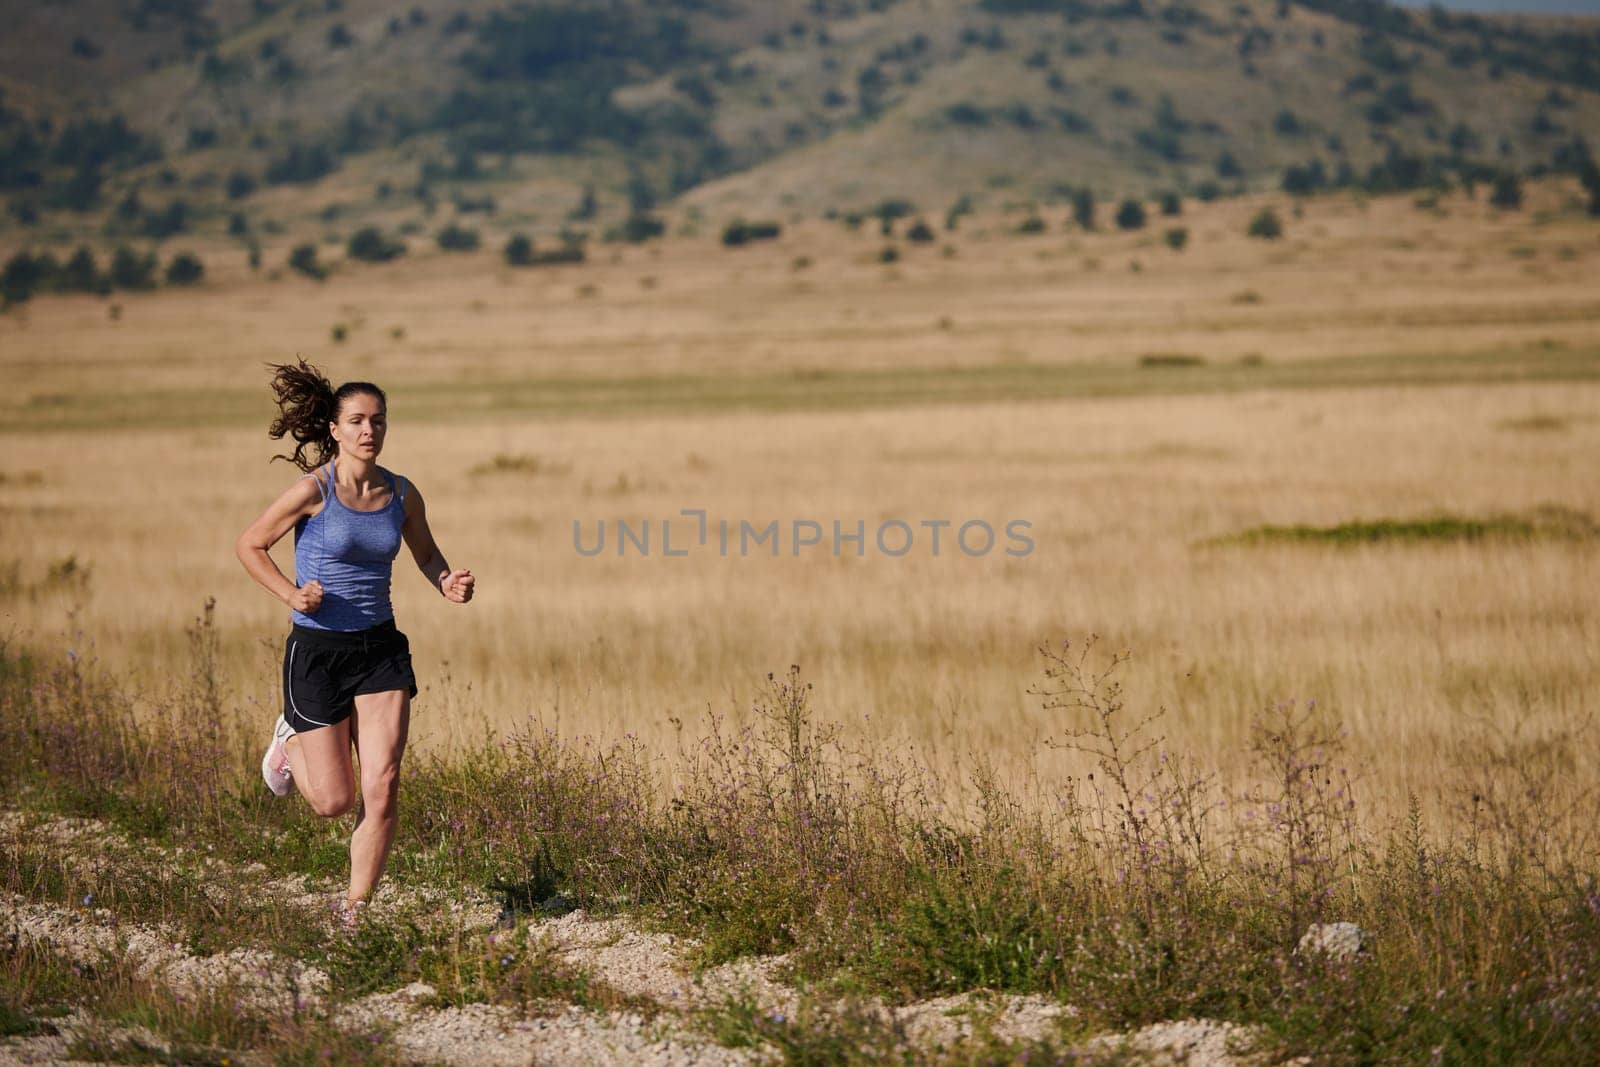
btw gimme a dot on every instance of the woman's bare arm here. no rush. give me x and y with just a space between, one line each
454 585
300 499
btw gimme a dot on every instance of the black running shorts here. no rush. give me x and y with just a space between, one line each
325 670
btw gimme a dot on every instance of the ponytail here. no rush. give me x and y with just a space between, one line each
307 404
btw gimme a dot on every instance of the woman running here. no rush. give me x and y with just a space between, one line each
347 677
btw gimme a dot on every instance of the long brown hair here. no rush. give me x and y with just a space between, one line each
307 403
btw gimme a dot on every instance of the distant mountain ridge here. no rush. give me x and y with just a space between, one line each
255 114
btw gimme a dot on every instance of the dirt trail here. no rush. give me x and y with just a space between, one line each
643 965
259 980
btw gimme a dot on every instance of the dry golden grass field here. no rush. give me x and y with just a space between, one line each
1138 406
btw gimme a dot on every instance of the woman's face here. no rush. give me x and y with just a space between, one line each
360 427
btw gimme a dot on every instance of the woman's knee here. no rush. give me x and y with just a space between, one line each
380 788
333 803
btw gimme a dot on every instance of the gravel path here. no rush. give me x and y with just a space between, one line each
643 965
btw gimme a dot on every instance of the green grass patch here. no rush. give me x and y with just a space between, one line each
1547 523
1536 423
464 400
1171 359
523 464
35 987
856 1034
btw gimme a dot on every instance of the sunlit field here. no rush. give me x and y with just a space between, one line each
1147 412
694 781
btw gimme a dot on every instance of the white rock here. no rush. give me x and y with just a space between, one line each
1340 941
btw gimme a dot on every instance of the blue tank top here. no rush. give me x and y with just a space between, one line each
352 554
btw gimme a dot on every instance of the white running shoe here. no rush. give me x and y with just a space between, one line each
275 764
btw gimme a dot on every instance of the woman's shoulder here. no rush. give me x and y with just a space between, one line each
400 482
310 488
321 476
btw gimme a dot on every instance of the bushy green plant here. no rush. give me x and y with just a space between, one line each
740 232
1083 207
1507 192
1265 225
303 260
640 227
372 245
1130 215
131 270
457 238
185 268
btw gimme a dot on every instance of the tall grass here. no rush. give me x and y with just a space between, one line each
1150 889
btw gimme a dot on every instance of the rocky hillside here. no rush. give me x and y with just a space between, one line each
156 117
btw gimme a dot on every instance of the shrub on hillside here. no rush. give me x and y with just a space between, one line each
640 227
303 259
1171 204
130 270
301 164
1507 193
921 232
588 206
167 222
1301 179
1266 225
24 211
1177 237
371 245
82 273
240 185
740 232
454 238
22 275
967 114
92 143
1083 207
520 252
961 208
185 269
1130 216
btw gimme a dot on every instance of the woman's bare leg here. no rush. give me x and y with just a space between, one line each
319 761
381 724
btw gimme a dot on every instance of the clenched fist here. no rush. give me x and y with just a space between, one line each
457 586
307 599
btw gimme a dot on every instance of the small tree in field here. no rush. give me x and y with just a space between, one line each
519 250
185 269
130 270
371 244
303 259
1083 208
1507 194
454 238
1266 225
